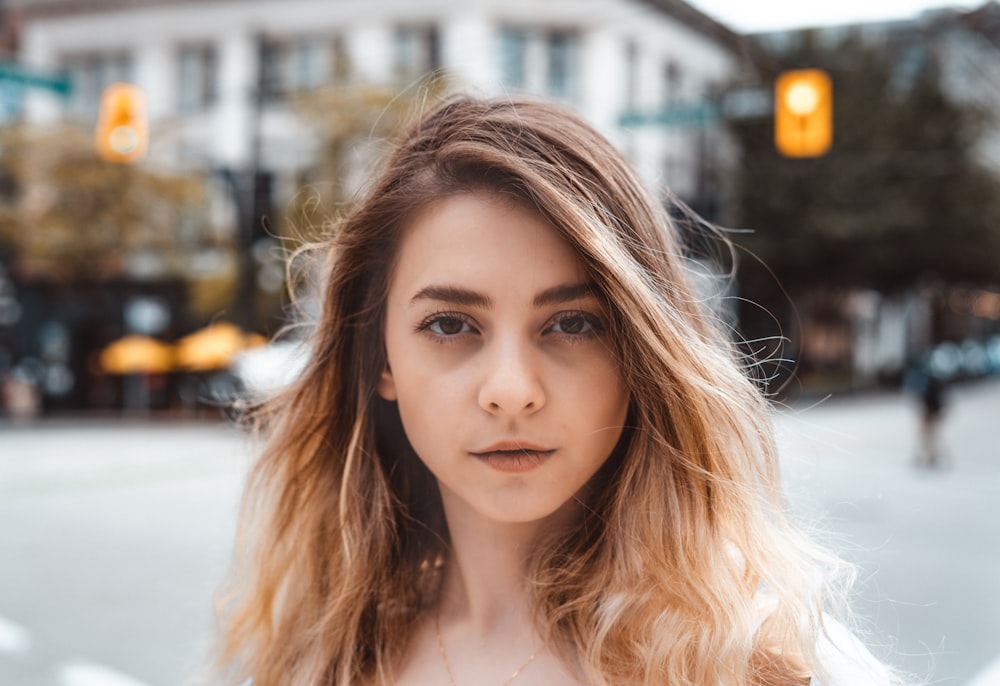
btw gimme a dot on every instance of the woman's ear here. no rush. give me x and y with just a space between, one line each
386 385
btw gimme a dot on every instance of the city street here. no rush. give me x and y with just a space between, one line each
114 534
927 543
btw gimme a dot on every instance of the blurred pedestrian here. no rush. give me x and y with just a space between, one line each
21 398
929 388
523 449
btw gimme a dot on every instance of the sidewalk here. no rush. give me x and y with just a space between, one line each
927 542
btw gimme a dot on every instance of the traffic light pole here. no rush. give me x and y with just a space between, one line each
245 187
241 188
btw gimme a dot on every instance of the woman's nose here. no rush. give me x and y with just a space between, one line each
511 384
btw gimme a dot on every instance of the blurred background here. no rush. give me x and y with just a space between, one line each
160 159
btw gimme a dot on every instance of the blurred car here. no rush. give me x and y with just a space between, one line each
268 368
969 359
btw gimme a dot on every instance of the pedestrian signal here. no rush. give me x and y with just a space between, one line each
122 128
803 113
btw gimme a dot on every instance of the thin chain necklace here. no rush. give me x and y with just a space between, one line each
447 665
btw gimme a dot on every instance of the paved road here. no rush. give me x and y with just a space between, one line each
928 543
113 536
112 539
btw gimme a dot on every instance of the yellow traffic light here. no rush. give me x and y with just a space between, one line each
803 113
122 127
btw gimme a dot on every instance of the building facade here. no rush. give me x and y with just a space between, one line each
223 80
219 73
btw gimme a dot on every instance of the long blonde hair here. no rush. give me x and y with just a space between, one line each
342 537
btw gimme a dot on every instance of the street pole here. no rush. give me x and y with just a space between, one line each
246 188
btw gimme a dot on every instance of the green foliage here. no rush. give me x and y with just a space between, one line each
66 215
352 124
900 197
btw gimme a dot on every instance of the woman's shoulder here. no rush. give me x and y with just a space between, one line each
846 661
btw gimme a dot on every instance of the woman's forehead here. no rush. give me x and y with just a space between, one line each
476 238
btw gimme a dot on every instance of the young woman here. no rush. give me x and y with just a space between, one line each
523 450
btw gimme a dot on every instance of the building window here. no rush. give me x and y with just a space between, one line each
417 51
513 54
340 61
631 76
196 88
300 64
273 79
309 64
563 64
90 74
541 61
671 83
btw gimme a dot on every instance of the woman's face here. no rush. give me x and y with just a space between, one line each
498 360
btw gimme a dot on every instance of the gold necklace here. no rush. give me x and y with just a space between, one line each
447 665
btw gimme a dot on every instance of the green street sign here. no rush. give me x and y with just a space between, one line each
690 114
743 102
12 72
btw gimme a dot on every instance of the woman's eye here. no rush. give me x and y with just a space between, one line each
446 326
576 324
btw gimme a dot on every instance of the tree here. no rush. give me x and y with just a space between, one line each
898 200
94 248
900 196
352 124
66 215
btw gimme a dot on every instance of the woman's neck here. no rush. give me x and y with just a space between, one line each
484 582
485 578
482 630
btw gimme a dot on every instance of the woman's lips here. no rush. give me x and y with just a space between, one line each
514 461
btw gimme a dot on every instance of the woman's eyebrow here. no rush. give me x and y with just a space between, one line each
565 293
454 295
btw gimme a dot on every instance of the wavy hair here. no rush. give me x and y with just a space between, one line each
684 541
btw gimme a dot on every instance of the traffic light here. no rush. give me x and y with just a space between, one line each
122 126
803 113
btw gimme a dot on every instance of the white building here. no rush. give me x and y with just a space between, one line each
201 63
